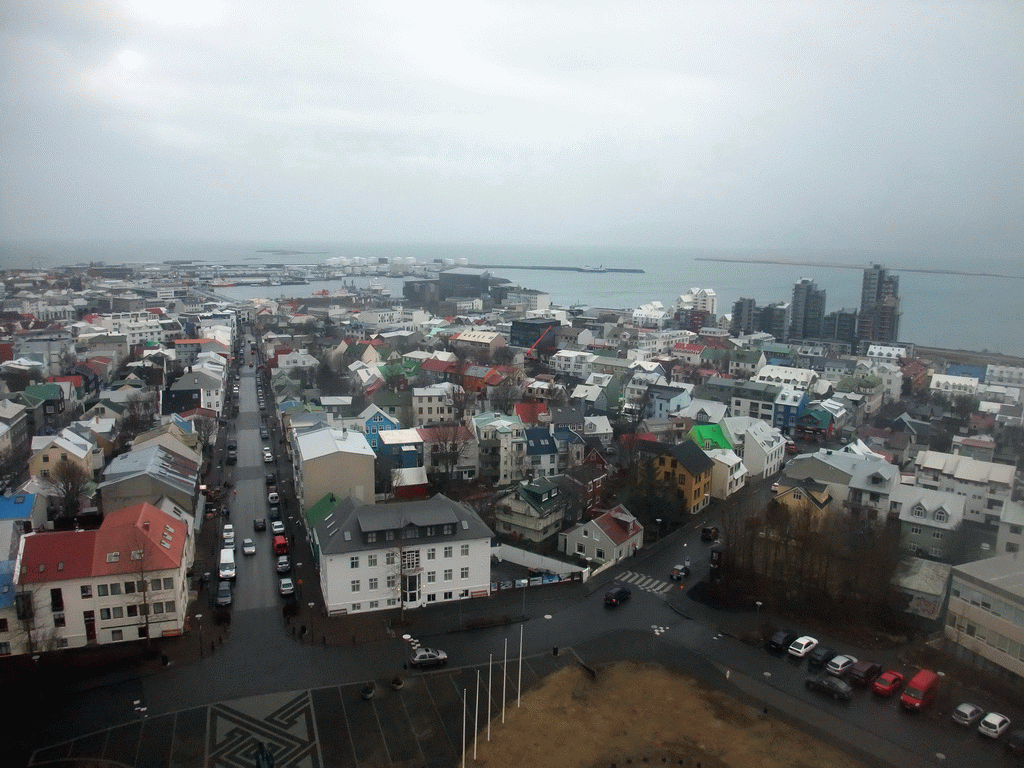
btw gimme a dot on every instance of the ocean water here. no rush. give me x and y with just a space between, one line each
952 311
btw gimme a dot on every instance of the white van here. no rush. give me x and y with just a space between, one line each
227 563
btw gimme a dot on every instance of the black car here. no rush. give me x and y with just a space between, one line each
232 445
224 594
259 524
232 458
709 533
264 433
865 673
271 478
829 685
617 596
821 656
781 640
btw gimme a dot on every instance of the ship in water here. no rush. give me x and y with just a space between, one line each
599 268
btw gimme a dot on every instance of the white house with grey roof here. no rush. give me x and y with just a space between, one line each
928 519
404 554
329 460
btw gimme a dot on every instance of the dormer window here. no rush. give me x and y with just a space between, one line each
918 511
941 516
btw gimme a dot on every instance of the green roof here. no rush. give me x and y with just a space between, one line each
709 436
319 511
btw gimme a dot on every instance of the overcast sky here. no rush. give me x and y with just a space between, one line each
720 124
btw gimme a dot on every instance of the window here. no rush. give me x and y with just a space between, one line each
117 634
581 548
355 585
86 591
169 583
432 554
56 600
940 516
392 583
3 625
464 573
129 587
371 560
101 590
447 574
431 530
938 534
464 550
915 530
389 558
170 606
372 584
353 562
449 529
431 577
104 614
448 595
58 620
599 554
371 537
448 551
133 610
389 535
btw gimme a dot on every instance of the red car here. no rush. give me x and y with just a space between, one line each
888 683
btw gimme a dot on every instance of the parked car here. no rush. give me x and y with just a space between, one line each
840 665
428 657
229 535
864 673
802 646
248 547
287 586
838 689
781 640
268 457
617 596
273 497
821 656
264 433
232 445
271 478
709 533
921 690
232 458
888 683
259 524
284 564
993 725
224 593
277 527
967 714
275 512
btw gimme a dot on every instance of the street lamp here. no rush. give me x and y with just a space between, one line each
658 533
199 621
757 616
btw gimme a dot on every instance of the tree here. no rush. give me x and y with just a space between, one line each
70 480
205 428
447 451
138 416
503 396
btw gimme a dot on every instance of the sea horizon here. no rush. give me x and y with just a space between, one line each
988 312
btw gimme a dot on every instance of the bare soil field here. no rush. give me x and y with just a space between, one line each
643 715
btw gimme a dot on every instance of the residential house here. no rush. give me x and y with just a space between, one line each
328 460
985 486
124 581
534 511
450 452
928 520
502 444
761 446
684 467
608 538
405 554
148 475
728 475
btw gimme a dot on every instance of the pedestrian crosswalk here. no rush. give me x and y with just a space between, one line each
646 583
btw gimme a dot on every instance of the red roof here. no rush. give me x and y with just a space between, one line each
56 555
437 366
619 530
529 412
698 348
69 555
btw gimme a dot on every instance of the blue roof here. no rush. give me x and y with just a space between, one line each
17 507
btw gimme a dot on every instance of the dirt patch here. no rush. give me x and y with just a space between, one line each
635 715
